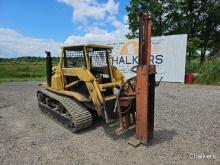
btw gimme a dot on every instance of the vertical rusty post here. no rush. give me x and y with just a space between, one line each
145 84
145 24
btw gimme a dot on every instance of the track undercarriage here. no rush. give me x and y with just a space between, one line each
64 110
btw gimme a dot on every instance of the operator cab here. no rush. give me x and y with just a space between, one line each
95 58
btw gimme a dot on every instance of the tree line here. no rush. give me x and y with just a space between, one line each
200 19
28 59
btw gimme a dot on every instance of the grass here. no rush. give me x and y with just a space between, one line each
12 70
21 79
29 70
208 72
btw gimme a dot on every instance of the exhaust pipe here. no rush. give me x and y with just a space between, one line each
48 68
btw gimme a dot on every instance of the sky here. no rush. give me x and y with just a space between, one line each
29 27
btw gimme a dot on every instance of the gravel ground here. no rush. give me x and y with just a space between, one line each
187 124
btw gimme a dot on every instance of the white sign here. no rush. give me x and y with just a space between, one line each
168 53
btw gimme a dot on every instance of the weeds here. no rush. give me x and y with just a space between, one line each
208 72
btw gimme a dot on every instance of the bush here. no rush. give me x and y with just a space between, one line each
192 66
208 72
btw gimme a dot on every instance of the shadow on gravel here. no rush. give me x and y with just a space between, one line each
97 122
162 136
109 130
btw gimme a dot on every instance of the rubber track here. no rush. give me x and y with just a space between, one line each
80 116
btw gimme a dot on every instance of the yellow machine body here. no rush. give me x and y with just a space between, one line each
85 72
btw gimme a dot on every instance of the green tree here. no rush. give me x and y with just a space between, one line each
152 7
210 30
197 18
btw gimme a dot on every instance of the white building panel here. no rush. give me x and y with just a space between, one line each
168 53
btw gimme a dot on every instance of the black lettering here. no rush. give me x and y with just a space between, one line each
159 59
121 60
134 59
114 59
152 59
127 60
